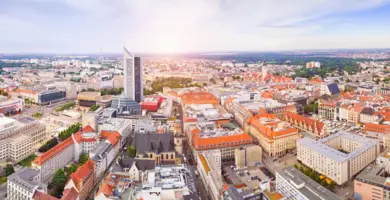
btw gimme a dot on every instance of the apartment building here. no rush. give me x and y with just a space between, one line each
339 156
20 138
82 180
275 137
327 109
104 153
379 132
224 140
295 185
65 152
354 113
209 168
372 183
314 127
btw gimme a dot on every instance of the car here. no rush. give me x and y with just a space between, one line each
196 172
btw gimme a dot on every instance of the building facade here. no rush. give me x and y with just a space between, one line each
339 156
295 185
20 138
275 137
133 86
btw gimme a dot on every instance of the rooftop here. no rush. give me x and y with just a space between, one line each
332 153
373 174
27 179
308 187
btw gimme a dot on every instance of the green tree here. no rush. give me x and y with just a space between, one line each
58 182
9 169
72 168
83 158
295 166
331 185
63 135
131 151
48 145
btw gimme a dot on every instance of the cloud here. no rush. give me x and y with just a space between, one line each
177 25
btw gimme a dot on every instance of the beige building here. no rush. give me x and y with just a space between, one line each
275 137
339 156
209 168
20 138
248 156
327 109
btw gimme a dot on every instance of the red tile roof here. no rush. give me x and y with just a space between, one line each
53 151
63 145
70 194
42 196
199 98
82 173
378 128
268 129
312 123
112 136
200 143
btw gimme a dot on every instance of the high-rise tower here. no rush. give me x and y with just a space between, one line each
132 67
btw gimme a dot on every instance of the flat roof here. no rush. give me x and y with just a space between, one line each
372 174
311 189
328 151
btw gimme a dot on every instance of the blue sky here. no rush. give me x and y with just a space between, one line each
87 26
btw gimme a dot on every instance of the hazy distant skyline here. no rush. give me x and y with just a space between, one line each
169 26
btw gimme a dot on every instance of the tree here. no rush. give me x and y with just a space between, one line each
377 81
48 145
331 185
9 169
63 135
58 182
71 169
83 158
295 166
131 151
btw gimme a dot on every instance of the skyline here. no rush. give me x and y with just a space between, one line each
91 26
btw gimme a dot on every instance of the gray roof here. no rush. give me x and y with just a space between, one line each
154 142
141 164
101 151
373 175
27 179
311 189
320 146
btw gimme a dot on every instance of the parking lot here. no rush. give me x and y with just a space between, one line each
278 163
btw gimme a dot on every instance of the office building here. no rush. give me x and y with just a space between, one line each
314 127
20 138
24 184
248 156
133 85
42 94
372 183
339 156
275 137
295 185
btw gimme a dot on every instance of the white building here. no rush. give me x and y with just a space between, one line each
339 156
20 138
23 184
209 167
294 185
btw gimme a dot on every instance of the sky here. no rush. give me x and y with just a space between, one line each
181 26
